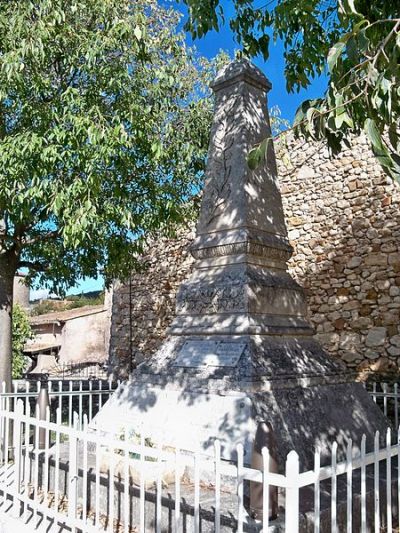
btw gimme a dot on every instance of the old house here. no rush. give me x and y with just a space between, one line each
64 339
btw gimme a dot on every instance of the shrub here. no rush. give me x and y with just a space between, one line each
22 332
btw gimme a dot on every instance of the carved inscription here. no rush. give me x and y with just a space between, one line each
212 300
201 354
226 296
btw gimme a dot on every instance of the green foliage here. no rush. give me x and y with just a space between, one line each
104 122
97 296
80 300
279 126
22 332
357 40
135 438
278 123
70 302
47 306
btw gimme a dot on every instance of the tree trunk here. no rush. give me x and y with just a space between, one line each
7 273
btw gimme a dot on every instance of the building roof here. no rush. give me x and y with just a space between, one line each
64 316
32 348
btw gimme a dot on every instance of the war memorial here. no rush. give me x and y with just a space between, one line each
240 351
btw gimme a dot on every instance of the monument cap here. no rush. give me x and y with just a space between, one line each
241 70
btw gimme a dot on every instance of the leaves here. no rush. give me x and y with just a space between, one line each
138 33
22 332
334 54
103 133
258 154
347 6
380 150
373 133
358 41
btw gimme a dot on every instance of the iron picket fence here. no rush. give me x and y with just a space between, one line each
80 395
83 480
387 397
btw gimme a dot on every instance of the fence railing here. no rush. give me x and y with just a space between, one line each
89 395
387 396
93 482
81 396
78 370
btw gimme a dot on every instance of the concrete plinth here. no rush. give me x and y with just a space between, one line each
192 418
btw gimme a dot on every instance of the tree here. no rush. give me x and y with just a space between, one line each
22 332
104 119
359 42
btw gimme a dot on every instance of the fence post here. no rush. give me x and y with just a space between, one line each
42 403
19 411
6 426
2 423
292 493
264 439
73 471
240 491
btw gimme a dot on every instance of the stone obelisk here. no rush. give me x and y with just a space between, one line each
240 350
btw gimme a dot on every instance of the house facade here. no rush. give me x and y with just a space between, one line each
67 339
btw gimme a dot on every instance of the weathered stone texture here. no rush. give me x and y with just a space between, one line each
344 224
346 249
152 304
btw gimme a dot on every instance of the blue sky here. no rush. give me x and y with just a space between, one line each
273 69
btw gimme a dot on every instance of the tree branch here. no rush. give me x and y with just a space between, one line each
385 41
33 265
42 237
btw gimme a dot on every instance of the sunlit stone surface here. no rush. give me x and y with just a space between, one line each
240 350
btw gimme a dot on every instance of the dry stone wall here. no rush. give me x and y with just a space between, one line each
143 307
344 225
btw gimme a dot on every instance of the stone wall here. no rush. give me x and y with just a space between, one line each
344 224
144 306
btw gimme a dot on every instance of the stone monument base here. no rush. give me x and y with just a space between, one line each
307 407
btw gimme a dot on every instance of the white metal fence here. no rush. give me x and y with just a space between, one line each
86 481
81 396
387 396
87 396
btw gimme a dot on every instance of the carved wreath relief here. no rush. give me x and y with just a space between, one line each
218 188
